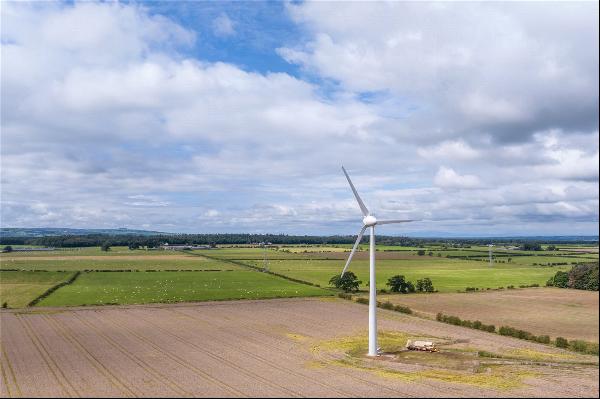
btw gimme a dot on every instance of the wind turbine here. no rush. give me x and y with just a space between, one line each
369 221
490 254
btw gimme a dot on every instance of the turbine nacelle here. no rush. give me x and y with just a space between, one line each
369 220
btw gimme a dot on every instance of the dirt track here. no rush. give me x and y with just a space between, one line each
241 348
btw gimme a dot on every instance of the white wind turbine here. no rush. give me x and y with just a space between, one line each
369 221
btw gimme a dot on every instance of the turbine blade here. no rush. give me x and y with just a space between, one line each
394 221
363 208
360 235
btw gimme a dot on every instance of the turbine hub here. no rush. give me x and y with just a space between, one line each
369 220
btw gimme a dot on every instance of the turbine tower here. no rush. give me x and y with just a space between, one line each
490 254
369 221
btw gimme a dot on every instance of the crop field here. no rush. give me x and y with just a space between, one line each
448 275
572 314
290 347
17 289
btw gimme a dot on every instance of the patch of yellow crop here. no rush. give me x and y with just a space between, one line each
355 347
358 345
502 377
296 337
329 299
316 364
534 355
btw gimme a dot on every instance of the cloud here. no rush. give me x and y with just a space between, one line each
128 125
212 213
145 200
223 26
449 150
463 69
448 178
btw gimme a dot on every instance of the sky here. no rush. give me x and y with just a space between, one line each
475 119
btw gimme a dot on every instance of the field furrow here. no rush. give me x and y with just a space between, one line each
232 364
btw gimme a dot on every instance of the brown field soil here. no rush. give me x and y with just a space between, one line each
269 348
104 257
571 314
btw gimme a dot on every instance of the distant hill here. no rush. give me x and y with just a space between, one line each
58 231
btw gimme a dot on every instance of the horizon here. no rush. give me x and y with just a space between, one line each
592 237
477 119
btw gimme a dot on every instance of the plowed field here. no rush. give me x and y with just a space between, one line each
277 348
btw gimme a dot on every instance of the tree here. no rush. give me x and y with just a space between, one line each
348 282
421 252
399 284
592 280
134 245
560 280
581 277
561 342
7 248
531 246
425 285
105 246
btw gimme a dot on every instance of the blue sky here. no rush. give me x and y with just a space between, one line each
475 118
257 29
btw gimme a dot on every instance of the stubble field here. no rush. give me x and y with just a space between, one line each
571 314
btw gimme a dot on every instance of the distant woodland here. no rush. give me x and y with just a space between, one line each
153 241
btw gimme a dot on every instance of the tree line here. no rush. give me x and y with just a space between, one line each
96 240
580 277
153 241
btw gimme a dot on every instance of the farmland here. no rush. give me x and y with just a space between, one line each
17 289
99 288
270 348
167 276
117 262
448 275
166 335
556 312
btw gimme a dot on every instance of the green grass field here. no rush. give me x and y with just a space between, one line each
220 278
448 275
17 289
106 263
97 288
